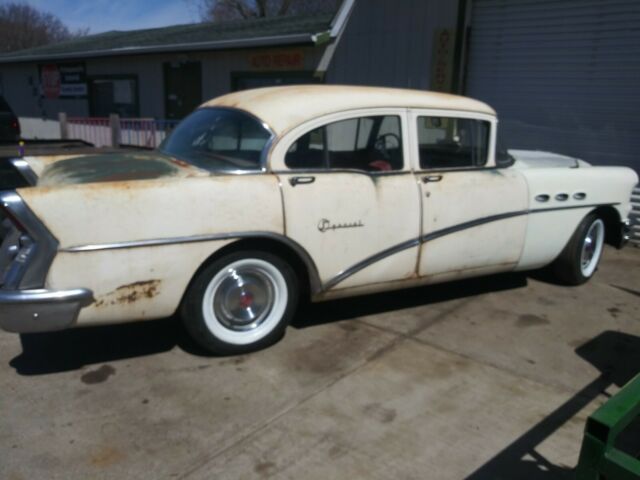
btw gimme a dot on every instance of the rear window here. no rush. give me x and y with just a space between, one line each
219 140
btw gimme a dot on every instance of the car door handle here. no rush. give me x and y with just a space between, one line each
431 178
301 180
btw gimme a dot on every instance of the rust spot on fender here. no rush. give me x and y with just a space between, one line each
129 294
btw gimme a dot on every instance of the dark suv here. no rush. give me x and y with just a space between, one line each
9 125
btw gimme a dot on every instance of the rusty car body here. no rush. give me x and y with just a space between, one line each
265 195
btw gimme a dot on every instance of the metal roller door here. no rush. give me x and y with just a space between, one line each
563 75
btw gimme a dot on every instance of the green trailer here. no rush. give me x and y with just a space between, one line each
601 456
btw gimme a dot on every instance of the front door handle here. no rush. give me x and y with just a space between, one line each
431 178
301 180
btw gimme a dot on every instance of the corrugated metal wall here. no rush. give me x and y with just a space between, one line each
635 217
390 43
564 75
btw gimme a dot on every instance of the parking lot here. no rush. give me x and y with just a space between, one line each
488 378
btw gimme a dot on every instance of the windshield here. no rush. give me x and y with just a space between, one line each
218 139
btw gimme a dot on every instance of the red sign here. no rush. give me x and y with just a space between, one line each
50 81
277 60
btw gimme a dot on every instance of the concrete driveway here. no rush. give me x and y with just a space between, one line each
483 379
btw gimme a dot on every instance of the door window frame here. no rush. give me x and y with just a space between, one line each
414 114
276 160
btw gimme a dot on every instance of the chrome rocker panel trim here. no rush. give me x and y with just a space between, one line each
30 311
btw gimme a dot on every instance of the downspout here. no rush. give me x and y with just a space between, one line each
332 37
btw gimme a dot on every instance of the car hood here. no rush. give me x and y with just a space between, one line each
541 159
114 167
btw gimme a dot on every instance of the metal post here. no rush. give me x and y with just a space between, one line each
114 123
64 126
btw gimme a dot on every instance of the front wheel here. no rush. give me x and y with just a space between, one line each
580 258
240 303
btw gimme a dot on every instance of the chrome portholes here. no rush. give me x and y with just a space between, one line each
592 248
245 301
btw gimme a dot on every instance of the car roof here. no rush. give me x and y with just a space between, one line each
284 108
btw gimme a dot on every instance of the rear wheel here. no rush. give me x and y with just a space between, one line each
241 302
580 258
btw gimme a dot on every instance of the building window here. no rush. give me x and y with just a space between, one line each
109 95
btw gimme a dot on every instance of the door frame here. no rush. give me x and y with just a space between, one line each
277 166
165 67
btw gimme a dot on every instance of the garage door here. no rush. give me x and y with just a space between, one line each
563 75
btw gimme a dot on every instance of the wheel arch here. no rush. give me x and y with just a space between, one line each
281 246
612 224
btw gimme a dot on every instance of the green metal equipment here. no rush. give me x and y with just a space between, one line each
600 458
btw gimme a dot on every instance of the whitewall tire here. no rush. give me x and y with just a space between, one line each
241 302
580 258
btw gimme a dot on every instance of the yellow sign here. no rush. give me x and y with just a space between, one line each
442 61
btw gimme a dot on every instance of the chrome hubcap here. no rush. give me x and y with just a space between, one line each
244 298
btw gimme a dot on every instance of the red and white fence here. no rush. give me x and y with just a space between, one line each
114 131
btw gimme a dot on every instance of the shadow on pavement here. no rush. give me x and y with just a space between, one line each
617 356
73 349
67 350
312 314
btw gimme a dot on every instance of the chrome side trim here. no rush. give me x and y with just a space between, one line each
314 277
46 245
473 223
25 170
162 241
438 234
370 260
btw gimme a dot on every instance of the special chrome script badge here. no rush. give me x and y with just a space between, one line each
325 225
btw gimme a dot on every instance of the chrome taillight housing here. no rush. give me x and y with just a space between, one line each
27 248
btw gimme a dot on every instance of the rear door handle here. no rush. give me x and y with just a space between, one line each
301 180
431 178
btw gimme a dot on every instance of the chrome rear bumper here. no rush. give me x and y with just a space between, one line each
625 234
29 311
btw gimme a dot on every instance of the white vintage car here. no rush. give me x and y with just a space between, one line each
263 196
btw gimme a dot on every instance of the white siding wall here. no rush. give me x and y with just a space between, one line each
20 83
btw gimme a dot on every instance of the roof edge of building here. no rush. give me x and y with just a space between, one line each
289 39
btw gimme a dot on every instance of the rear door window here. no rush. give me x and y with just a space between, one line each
447 142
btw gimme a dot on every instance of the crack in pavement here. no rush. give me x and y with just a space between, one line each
394 342
627 290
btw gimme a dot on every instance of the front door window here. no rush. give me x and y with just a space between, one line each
371 144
